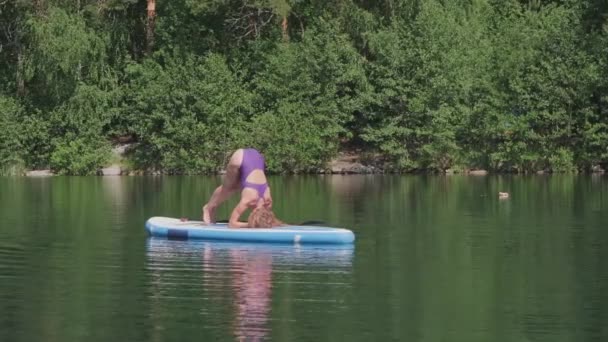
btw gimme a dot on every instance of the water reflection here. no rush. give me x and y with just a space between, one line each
237 274
251 282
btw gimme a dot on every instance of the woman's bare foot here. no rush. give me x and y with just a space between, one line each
208 214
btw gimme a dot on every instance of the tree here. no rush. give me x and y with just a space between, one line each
150 24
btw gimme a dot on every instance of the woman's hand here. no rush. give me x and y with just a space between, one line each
268 199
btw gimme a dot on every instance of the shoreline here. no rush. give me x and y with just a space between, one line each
347 162
346 172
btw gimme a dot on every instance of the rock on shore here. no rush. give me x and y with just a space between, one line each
349 164
39 173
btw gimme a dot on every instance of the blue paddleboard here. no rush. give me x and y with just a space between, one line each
176 228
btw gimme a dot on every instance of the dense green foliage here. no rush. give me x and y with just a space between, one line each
512 86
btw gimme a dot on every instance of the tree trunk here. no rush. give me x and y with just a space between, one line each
284 29
39 7
20 74
150 26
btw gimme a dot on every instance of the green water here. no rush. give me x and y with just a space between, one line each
436 259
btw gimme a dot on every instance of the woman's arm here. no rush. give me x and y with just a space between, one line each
268 198
237 212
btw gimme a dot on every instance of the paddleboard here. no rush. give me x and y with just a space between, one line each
168 227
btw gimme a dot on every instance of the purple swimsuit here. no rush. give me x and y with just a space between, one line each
252 160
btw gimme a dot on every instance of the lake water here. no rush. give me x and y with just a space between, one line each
437 258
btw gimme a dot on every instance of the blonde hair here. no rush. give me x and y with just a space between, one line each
263 217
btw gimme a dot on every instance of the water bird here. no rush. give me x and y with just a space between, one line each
503 194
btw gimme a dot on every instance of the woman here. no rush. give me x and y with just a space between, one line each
245 171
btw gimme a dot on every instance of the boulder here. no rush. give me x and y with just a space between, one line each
344 167
478 172
113 170
39 173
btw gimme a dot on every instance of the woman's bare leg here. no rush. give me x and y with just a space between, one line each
220 195
230 185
